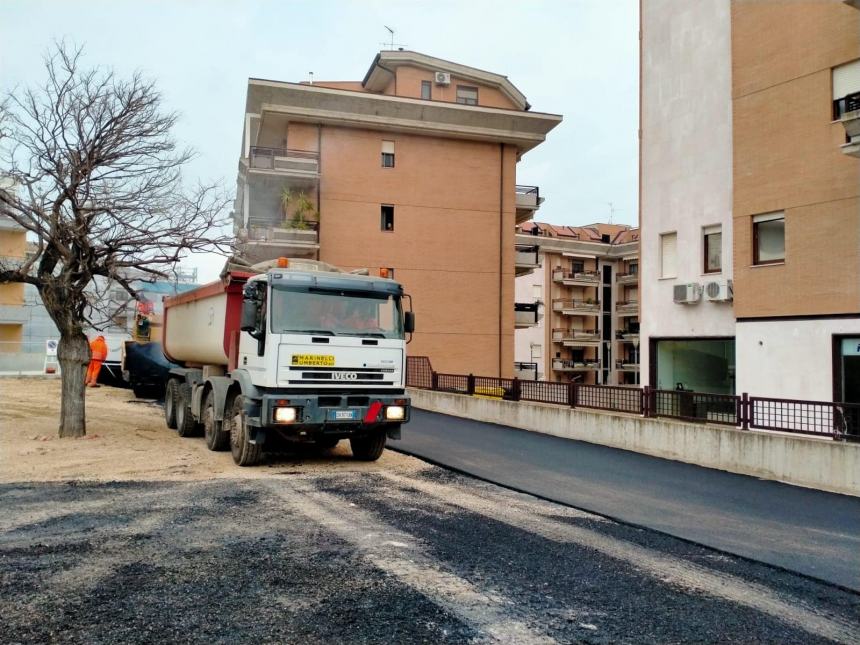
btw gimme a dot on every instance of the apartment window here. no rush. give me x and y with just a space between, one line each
389 273
668 253
633 268
426 89
467 95
712 237
536 351
846 88
388 154
387 220
537 291
769 238
577 266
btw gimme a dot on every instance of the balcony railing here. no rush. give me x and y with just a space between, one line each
628 364
849 103
526 314
847 110
266 243
565 365
576 336
284 159
576 277
526 370
527 258
628 335
576 307
626 278
627 307
528 200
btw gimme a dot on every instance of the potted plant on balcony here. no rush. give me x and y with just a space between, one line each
298 210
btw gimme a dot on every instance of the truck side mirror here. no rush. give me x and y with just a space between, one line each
249 315
409 322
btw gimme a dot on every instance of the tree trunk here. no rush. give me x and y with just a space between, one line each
73 354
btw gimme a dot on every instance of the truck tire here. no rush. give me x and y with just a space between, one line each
171 396
244 452
368 448
186 426
215 439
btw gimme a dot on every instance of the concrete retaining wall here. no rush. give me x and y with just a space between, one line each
806 461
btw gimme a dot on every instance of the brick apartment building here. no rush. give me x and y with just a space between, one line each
412 168
750 197
577 303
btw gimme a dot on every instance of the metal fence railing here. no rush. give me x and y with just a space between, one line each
819 418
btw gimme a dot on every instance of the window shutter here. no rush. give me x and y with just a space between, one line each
768 217
388 147
846 79
668 253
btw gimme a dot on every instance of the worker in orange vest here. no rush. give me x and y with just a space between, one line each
99 352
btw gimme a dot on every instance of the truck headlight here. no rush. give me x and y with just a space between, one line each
285 415
395 413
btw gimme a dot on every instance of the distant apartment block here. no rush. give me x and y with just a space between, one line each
413 169
750 197
13 249
577 303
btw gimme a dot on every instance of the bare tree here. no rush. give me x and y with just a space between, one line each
95 176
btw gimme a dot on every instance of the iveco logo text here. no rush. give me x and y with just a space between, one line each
344 376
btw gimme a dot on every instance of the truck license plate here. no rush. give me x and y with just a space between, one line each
313 360
345 415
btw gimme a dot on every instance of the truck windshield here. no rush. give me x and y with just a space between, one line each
338 313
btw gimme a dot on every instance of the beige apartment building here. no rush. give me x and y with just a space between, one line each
577 303
750 197
13 315
412 169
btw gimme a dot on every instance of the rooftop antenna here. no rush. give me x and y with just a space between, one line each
611 211
311 78
391 45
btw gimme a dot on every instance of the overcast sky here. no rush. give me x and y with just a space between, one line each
577 58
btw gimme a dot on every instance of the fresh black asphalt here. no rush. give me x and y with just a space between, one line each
807 531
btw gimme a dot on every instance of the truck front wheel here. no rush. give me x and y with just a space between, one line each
368 448
215 438
244 452
186 426
171 396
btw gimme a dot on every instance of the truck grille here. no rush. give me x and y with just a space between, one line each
340 376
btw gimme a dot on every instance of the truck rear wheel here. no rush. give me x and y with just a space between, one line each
186 426
216 439
171 396
244 452
368 448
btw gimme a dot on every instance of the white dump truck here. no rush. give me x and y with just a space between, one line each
300 352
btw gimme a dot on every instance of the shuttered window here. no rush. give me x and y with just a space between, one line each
668 255
388 154
846 88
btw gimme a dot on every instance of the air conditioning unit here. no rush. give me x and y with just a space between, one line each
687 294
443 78
719 291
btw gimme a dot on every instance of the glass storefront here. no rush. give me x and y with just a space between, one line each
697 365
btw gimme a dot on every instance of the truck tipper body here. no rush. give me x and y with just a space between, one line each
301 352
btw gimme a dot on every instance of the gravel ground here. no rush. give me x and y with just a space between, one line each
389 557
137 536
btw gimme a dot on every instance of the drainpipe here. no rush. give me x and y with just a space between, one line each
501 238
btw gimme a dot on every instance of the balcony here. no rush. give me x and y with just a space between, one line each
526 371
627 278
628 364
576 337
527 259
576 307
285 162
627 308
565 365
14 314
528 200
526 314
576 278
627 335
260 243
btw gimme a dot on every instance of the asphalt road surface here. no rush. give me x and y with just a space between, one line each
368 557
804 530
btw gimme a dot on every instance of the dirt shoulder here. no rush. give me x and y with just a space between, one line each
128 440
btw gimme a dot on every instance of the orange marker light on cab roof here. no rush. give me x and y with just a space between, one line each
283 263
383 272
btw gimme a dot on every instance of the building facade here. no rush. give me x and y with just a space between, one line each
13 314
750 197
412 169
577 303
